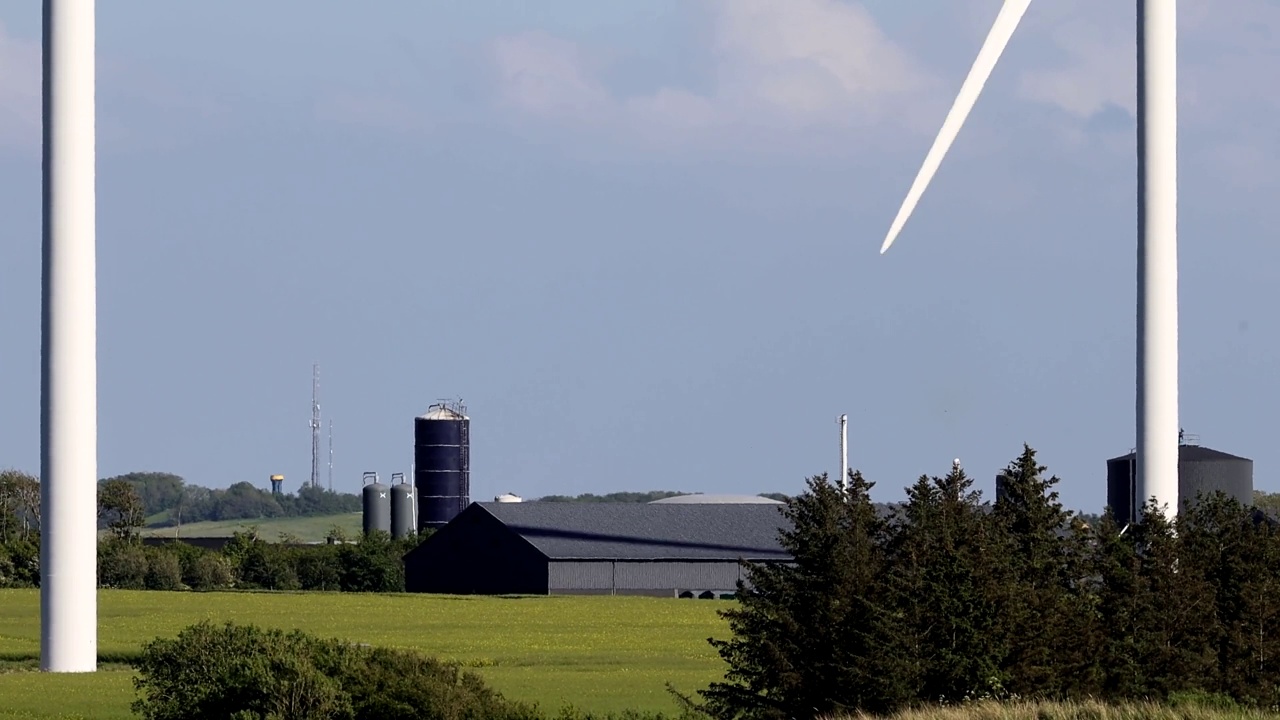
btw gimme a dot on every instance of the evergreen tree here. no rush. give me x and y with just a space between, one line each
1159 611
1180 617
1237 553
812 637
1042 620
948 581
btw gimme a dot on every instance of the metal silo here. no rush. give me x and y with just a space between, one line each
377 505
1201 471
441 463
401 507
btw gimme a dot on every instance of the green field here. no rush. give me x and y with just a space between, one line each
306 529
598 653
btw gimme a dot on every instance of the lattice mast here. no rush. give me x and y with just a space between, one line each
315 425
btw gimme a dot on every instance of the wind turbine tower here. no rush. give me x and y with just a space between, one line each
1157 214
68 352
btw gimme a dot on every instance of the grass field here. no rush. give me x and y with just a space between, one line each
307 529
598 653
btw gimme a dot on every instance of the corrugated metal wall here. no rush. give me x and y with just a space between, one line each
624 576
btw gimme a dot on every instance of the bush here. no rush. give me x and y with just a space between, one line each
20 564
164 572
317 567
122 564
208 571
245 672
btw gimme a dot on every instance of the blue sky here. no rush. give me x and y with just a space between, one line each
640 239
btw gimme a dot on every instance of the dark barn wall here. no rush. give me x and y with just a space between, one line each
476 555
641 577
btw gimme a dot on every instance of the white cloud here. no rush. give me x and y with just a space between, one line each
1228 66
19 91
802 63
1096 37
547 76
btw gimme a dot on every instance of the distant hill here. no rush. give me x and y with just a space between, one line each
306 529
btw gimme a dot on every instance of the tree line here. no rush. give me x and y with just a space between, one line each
948 598
127 503
164 499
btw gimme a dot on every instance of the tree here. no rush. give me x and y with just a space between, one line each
950 583
813 637
19 504
121 507
158 491
1042 621
1237 553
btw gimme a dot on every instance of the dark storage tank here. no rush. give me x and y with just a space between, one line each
1001 479
441 463
401 507
377 505
1201 471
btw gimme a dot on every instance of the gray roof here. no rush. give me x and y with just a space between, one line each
1196 453
643 531
707 499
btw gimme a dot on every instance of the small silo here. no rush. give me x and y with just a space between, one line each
402 524
1201 471
377 505
441 463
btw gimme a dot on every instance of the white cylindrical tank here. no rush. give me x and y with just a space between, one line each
508 498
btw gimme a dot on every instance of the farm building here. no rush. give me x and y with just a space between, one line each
542 548
1201 471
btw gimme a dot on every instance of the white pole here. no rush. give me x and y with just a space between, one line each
68 403
844 453
1157 396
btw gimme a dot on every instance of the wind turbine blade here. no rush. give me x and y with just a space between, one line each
1006 22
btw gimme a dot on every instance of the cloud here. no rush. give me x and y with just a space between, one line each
547 76
1229 60
19 91
136 106
799 64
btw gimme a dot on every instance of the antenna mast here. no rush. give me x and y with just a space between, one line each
330 455
315 425
844 454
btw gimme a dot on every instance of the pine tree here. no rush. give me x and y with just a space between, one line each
812 638
947 581
1160 612
1042 621
1236 552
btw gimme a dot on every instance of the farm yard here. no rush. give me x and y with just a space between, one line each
597 653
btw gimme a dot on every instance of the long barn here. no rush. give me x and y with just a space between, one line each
541 548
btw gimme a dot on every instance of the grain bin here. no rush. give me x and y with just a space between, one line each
377 505
402 520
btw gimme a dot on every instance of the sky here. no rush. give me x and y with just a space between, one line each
640 239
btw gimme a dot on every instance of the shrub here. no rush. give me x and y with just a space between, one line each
164 572
209 571
122 564
245 672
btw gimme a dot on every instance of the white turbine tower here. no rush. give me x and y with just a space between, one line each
1157 362
68 369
